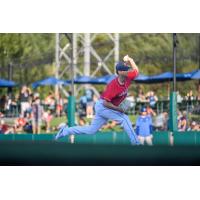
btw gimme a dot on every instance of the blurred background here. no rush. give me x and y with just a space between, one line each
29 58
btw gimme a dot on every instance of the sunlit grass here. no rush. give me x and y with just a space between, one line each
58 120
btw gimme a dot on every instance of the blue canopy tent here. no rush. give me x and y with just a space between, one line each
105 79
48 81
83 80
159 78
168 76
142 79
164 77
196 75
92 80
186 76
7 83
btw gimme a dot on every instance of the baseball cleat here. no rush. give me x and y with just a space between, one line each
59 134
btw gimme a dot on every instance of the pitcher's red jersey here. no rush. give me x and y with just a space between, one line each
115 92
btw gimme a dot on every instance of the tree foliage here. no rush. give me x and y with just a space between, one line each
32 56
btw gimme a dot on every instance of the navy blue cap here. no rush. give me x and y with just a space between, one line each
143 109
121 67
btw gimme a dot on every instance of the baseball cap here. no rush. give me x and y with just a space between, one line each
143 109
121 67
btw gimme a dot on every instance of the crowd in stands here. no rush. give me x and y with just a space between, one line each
33 111
36 113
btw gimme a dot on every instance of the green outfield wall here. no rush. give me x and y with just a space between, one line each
99 138
159 138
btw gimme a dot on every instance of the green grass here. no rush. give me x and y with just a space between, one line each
57 120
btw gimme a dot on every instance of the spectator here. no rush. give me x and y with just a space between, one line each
65 107
24 99
37 112
81 121
95 98
1 115
47 100
110 125
198 95
147 95
47 117
3 127
19 124
36 95
179 115
141 97
161 121
8 105
190 98
150 111
59 105
152 99
14 106
3 101
83 103
179 97
193 126
90 103
82 111
52 105
50 102
131 98
28 128
182 122
144 128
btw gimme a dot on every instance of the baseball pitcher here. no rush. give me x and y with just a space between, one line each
110 105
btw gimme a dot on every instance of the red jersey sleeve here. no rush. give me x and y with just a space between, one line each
133 74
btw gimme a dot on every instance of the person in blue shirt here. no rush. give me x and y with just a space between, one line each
152 99
144 127
90 103
83 103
